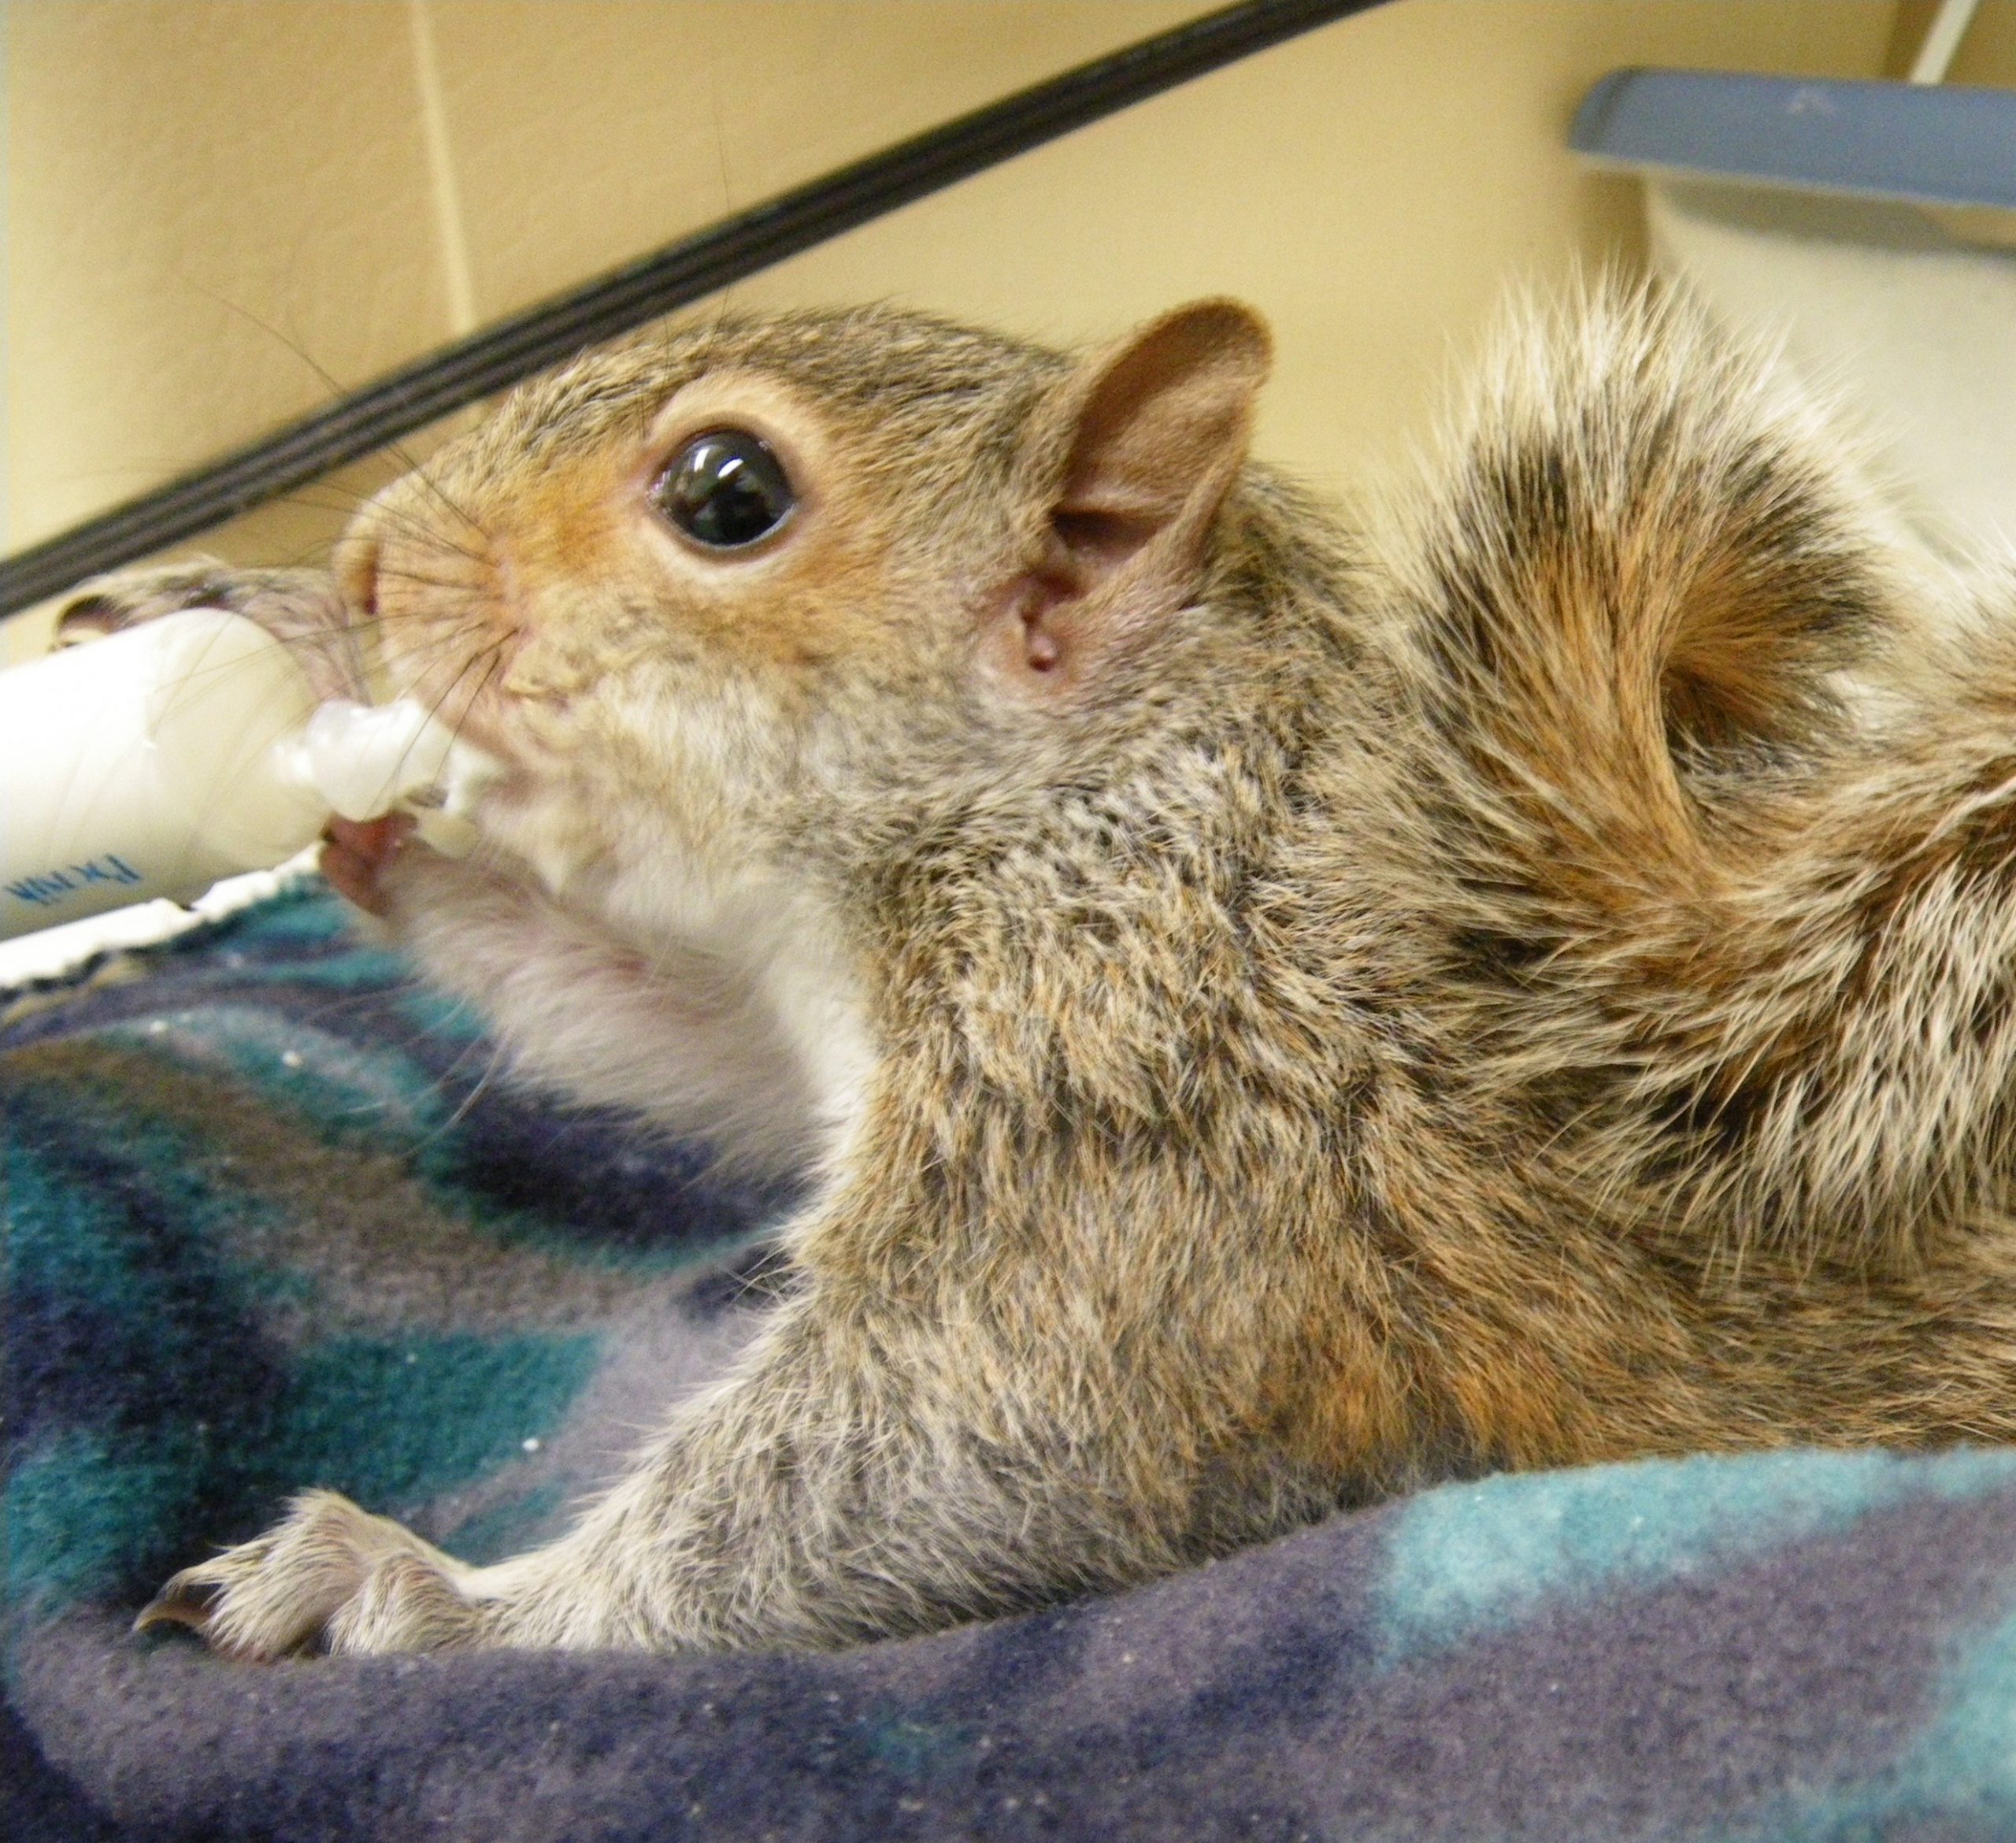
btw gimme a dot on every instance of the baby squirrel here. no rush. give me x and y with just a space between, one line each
1272 1018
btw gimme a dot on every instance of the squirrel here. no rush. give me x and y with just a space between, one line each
1274 1016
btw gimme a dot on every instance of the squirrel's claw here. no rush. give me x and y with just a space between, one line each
183 1600
328 1577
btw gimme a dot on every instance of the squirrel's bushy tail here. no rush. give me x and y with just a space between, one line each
1643 569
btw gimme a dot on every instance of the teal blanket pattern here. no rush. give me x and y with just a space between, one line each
273 1219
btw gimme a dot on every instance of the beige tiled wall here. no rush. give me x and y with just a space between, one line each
217 208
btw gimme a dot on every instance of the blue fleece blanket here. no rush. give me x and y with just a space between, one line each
270 1221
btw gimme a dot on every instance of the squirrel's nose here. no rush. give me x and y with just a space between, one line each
356 572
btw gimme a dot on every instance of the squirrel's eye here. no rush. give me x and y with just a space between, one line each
725 489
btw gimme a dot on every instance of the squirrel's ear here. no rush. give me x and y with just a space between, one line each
1160 428
1151 435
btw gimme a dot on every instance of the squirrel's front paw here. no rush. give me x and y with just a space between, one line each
328 1576
357 855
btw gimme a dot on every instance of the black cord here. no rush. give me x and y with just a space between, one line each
460 373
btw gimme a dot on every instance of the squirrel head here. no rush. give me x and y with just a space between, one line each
714 576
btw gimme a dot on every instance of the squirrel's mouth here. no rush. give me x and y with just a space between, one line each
458 675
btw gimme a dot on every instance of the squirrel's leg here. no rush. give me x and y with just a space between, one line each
851 1484
875 1467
